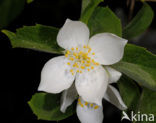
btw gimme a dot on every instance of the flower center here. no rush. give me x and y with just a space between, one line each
87 104
80 59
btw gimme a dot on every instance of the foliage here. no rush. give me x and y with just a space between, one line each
47 107
139 23
37 37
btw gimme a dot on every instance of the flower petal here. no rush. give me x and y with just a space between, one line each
92 85
112 95
88 114
108 48
55 75
114 75
73 34
68 97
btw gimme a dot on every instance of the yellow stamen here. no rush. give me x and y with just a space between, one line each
88 58
89 50
97 63
96 107
77 66
71 58
79 100
82 62
68 52
75 54
93 61
81 105
91 105
87 65
85 55
80 53
68 63
81 59
88 61
93 53
74 65
66 55
77 57
71 70
82 67
84 46
86 103
72 48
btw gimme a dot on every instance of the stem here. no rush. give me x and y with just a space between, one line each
131 8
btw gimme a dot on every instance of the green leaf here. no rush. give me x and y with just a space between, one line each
147 104
47 107
140 22
39 37
9 10
104 20
129 92
88 7
142 103
140 65
84 5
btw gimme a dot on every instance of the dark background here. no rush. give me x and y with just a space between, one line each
21 68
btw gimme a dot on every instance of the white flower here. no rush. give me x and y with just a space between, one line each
82 63
91 112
